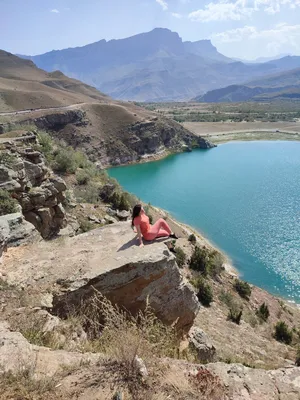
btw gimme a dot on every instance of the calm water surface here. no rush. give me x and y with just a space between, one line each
244 197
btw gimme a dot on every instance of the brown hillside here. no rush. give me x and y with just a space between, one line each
24 86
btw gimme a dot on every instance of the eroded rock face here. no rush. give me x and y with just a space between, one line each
23 173
130 141
150 138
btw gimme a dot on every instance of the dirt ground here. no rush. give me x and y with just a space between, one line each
220 132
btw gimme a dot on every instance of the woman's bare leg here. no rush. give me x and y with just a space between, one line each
159 229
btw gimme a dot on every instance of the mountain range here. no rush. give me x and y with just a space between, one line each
155 66
283 85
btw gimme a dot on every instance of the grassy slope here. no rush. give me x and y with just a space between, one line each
24 86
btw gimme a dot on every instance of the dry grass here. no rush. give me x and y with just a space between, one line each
121 337
23 386
142 335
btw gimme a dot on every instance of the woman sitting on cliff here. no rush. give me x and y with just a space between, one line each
149 232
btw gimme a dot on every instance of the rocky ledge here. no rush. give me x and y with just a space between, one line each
108 260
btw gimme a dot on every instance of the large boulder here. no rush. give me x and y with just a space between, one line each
201 344
15 230
109 260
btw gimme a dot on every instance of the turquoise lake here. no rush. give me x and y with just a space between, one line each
243 196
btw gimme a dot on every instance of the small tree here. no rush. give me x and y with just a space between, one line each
263 312
283 333
243 289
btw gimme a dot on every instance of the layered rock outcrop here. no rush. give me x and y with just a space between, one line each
23 173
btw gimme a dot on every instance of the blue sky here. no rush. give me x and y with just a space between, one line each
238 28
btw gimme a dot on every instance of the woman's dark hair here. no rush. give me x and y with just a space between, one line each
136 212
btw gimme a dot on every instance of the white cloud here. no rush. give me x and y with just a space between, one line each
239 9
55 11
282 38
163 4
176 15
221 12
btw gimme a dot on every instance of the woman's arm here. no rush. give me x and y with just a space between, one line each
140 235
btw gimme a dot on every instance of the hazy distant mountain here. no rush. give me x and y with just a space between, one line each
260 60
153 66
286 78
282 85
205 49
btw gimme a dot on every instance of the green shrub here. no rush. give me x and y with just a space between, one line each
283 333
207 261
82 177
85 225
263 312
204 294
88 193
7 204
235 314
115 199
215 263
180 257
226 298
199 260
192 239
7 159
124 203
46 144
64 161
81 160
243 289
